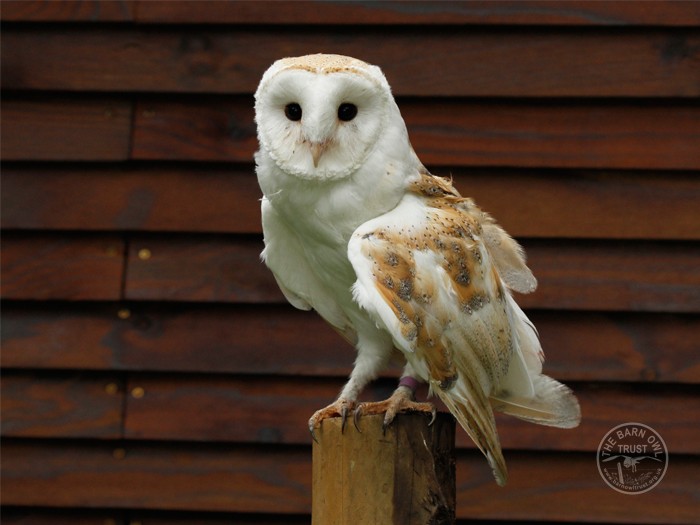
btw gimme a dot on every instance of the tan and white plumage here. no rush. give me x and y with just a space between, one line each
392 256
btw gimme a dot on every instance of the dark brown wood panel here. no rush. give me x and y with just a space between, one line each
235 479
572 275
596 346
586 204
43 266
196 199
198 130
175 338
227 409
276 410
38 406
38 516
205 269
181 518
529 12
161 476
614 276
65 129
279 340
457 133
646 136
68 10
83 336
23 516
567 487
225 199
481 62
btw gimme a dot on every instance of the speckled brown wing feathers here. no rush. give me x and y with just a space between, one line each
447 306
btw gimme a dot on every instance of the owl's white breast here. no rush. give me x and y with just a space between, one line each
328 212
324 214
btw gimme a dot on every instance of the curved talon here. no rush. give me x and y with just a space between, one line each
344 418
433 414
312 430
385 425
338 408
356 418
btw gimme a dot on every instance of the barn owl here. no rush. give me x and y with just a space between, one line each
394 258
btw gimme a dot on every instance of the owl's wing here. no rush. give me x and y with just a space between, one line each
427 273
294 274
508 257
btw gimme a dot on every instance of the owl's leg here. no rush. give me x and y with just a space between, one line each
372 356
401 401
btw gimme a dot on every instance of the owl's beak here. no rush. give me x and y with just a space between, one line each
317 149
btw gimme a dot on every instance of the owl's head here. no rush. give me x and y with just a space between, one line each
319 116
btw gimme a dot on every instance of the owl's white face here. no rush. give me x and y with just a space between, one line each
320 116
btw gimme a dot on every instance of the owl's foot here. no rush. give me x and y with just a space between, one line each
401 401
340 407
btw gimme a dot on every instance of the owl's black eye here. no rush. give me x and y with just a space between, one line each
293 111
347 111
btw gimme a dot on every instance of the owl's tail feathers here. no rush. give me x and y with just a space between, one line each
553 404
478 422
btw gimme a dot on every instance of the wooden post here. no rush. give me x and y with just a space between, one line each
403 477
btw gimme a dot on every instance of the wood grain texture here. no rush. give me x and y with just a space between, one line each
242 339
573 275
444 61
156 475
585 204
245 479
279 340
535 12
59 336
225 199
276 410
555 135
65 129
455 133
39 406
614 276
196 199
68 11
574 491
199 130
403 474
596 346
25 516
219 269
76 516
42 267
247 339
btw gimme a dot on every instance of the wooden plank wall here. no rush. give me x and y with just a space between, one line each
151 370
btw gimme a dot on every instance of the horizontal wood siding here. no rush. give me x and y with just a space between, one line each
152 371
206 198
650 63
66 129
